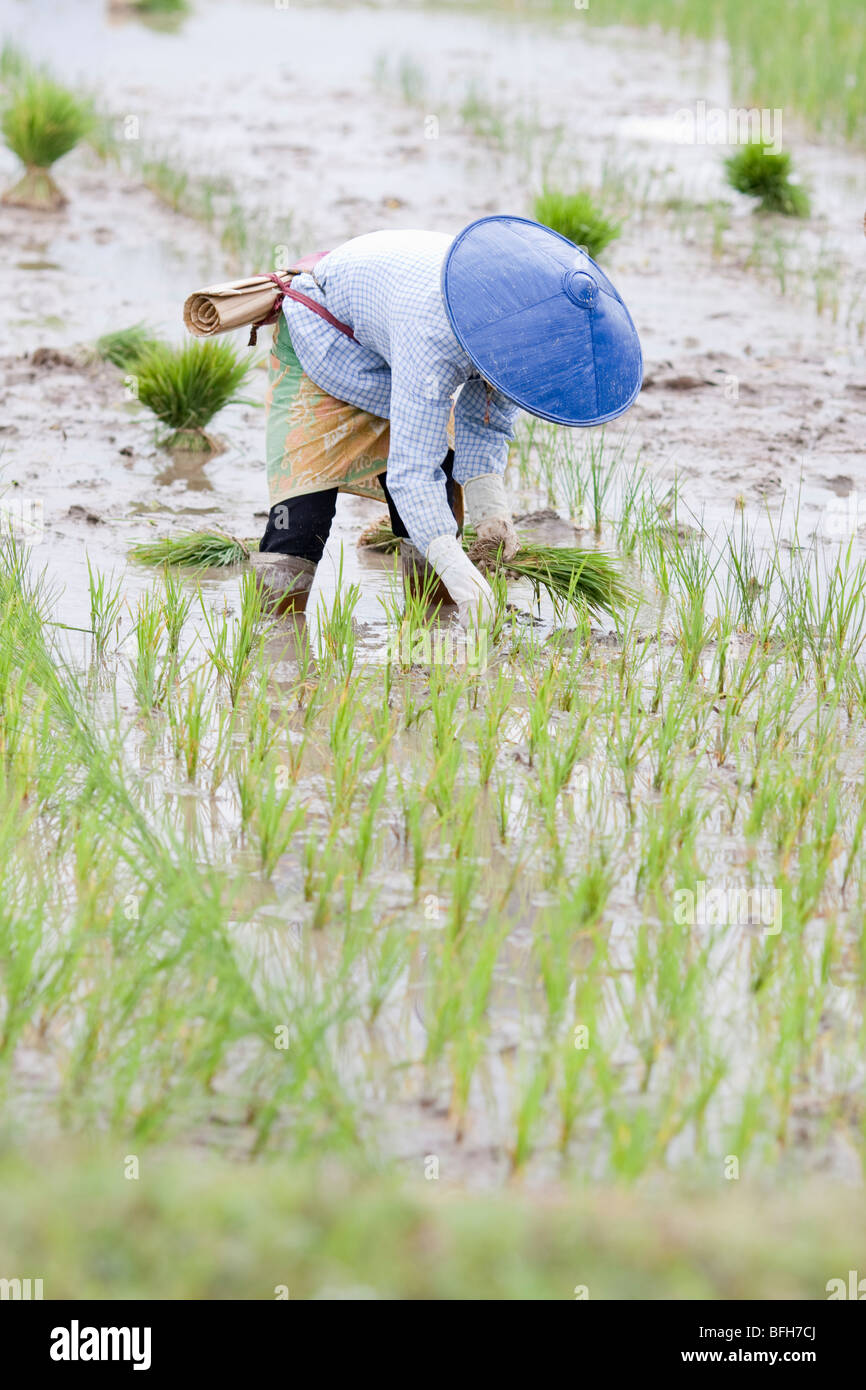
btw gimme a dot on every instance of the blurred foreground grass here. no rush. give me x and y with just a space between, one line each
196 1228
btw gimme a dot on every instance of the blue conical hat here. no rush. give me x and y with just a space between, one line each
541 321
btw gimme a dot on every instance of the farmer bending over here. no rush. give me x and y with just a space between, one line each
389 342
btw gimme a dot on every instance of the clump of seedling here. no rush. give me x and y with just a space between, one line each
41 122
185 387
125 346
578 217
766 175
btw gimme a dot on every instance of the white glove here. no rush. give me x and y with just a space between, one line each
490 514
466 585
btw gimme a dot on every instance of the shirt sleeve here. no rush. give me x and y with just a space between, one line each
484 422
422 383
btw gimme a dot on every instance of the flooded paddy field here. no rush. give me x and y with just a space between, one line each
576 917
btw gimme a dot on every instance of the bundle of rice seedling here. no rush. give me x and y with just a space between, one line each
41 122
186 386
762 174
195 550
126 345
578 217
572 578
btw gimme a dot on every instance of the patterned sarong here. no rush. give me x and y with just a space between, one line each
314 441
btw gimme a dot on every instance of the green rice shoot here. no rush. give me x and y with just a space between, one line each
578 217
760 173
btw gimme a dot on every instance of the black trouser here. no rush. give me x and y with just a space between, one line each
300 525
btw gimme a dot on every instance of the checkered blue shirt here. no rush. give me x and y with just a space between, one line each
405 366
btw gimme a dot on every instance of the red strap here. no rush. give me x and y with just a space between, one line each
320 310
286 292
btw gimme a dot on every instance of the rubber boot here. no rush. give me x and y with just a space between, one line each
285 580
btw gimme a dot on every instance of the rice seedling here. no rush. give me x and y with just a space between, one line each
578 217
496 709
335 628
365 839
103 138
41 121
176 605
105 607
825 276
125 345
189 720
761 173
412 80
694 573
780 250
172 186
349 754
407 76
277 826
721 214
470 1037
236 647
630 185
186 387
482 116
149 676
537 1081
235 231
605 464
